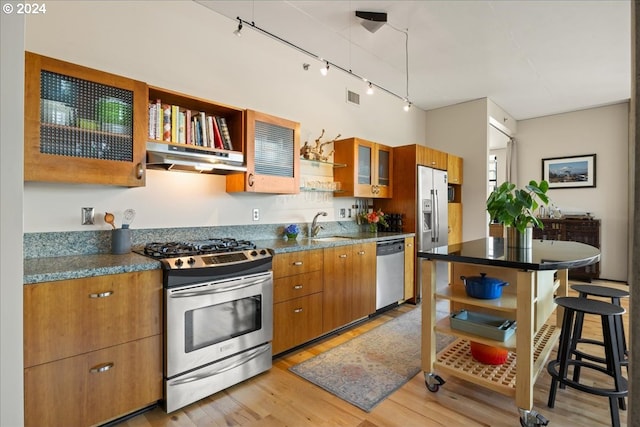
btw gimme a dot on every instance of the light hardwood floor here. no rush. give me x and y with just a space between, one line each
281 398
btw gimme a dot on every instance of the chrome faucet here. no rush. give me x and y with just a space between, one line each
315 228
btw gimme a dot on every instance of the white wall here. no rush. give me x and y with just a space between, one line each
463 130
603 131
188 48
11 176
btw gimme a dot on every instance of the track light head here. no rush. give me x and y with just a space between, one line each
370 89
325 70
237 32
407 106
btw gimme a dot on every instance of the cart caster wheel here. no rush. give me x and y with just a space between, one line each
433 382
532 419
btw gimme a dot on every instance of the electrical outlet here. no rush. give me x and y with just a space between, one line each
343 212
88 216
256 214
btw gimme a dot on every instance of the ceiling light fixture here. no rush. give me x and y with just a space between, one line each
372 21
332 64
238 31
407 106
325 70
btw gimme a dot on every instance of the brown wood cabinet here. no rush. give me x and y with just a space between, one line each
92 348
431 157
364 280
454 169
576 230
455 223
369 168
297 297
79 124
350 284
409 265
272 154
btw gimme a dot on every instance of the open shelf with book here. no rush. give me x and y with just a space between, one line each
176 118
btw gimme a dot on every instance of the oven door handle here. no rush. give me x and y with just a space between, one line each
247 356
187 293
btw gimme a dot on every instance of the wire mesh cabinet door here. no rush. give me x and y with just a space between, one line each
83 125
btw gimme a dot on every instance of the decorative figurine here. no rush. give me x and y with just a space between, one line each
316 152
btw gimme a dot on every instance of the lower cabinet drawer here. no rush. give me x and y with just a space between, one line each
296 321
299 285
299 262
94 387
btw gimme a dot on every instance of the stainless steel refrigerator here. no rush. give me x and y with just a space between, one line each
433 223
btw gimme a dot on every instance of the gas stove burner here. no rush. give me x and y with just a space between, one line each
197 247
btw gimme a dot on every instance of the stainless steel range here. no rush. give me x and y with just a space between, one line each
218 318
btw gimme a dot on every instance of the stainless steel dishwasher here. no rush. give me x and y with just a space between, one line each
389 272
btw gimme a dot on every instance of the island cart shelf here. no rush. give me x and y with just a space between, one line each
533 281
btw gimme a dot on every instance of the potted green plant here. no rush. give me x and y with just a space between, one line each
515 209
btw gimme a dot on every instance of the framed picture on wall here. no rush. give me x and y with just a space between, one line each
570 172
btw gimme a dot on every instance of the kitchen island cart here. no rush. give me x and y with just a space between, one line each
536 276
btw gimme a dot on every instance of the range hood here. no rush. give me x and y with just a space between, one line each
192 159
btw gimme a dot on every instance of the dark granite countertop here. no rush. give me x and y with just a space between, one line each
47 269
281 245
543 255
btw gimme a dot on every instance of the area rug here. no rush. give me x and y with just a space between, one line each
367 369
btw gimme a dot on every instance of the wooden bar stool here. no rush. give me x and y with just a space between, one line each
584 291
573 307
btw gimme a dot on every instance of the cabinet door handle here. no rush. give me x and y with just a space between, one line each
409 245
297 263
139 171
342 256
101 294
297 287
101 368
361 252
297 310
250 180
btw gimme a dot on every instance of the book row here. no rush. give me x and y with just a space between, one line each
172 123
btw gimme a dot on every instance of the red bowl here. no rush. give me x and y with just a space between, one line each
487 354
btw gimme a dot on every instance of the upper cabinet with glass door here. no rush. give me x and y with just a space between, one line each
83 125
369 168
272 156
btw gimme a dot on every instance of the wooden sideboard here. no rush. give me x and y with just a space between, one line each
576 230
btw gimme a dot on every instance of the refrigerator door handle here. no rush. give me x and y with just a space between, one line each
436 217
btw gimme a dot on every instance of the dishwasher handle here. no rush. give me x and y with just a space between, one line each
389 247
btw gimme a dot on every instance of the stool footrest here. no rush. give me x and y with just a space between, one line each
552 368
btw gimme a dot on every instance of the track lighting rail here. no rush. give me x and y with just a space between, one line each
247 24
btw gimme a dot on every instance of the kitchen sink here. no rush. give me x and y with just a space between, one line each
330 239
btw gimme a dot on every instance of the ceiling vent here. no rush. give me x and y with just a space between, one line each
372 21
353 97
